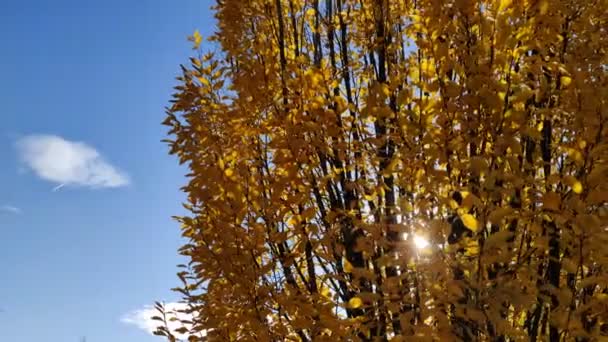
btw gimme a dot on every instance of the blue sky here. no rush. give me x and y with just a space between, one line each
84 84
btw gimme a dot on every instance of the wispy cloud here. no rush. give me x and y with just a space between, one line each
142 318
65 162
10 209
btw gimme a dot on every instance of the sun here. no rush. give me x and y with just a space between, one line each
420 242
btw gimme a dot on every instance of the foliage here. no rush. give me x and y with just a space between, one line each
325 139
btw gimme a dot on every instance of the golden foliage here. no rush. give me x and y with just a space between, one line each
325 135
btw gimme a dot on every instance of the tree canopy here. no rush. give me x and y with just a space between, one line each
396 170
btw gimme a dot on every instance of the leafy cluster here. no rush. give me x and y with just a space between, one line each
327 138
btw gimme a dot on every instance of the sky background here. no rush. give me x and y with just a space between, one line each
83 90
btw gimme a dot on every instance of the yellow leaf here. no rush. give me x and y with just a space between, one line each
478 165
582 144
355 302
575 154
391 166
543 7
453 204
577 187
308 213
551 201
566 80
228 172
348 267
204 81
293 221
471 248
366 332
470 222
325 292
504 4
197 39
385 90
403 97
427 67
497 215
574 183
602 296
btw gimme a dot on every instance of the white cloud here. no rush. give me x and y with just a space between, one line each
10 209
65 162
142 318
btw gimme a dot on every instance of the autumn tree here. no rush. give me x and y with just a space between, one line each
396 170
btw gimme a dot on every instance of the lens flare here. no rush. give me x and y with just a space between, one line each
420 242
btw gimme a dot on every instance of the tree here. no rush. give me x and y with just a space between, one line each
334 146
